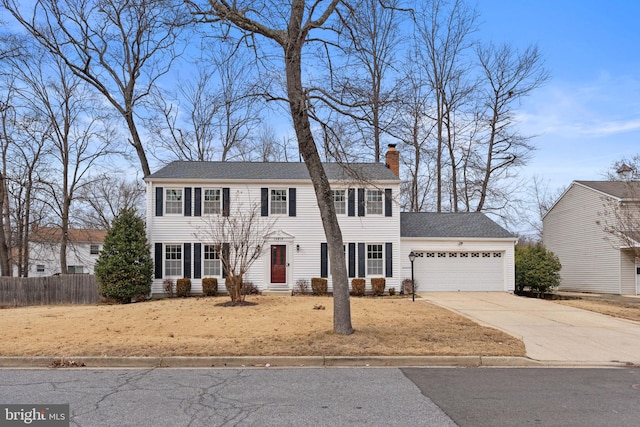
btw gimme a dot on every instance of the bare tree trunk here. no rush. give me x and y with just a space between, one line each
309 151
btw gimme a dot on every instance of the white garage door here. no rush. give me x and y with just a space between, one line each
459 271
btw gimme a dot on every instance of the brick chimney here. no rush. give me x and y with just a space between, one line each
392 159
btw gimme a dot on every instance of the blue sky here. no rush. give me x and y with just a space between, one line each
588 114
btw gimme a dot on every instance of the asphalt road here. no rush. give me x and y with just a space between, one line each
332 396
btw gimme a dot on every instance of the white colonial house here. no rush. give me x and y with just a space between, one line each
183 198
83 249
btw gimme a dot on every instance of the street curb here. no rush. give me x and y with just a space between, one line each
291 362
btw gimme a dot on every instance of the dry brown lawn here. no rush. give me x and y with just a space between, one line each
613 308
274 326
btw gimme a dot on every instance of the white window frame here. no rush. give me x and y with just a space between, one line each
214 205
340 201
173 260
211 263
375 202
94 249
40 268
279 206
73 269
375 265
173 201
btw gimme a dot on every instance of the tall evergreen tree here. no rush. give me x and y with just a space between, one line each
124 269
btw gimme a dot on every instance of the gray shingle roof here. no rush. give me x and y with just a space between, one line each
457 225
617 189
270 171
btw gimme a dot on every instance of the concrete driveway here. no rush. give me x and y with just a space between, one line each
550 331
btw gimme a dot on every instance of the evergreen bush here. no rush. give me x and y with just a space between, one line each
124 269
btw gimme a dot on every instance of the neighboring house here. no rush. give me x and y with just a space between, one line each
592 259
463 251
82 251
184 196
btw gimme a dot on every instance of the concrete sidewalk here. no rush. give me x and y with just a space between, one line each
551 332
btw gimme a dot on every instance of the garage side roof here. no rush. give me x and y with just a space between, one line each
454 224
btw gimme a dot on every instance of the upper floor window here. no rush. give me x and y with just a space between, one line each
374 202
173 203
173 260
340 201
212 201
278 202
40 268
94 250
374 260
211 263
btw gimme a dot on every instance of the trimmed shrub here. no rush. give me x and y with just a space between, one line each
210 286
377 285
169 288
124 269
392 291
358 286
319 286
183 287
536 268
406 286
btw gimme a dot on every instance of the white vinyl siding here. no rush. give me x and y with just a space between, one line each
590 261
173 260
173 201
212 201
303 234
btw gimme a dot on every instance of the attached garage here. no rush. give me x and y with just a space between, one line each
457 252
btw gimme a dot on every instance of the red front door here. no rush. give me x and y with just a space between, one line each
278 263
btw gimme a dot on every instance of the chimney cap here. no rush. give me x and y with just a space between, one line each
391 145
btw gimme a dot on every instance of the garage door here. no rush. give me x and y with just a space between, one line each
459 271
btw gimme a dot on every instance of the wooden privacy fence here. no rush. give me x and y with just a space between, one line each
60 289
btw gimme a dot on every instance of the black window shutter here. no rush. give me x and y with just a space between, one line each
159 200
158 260
226 202
187 201
387 202
352 260
197 201
197 260
323 260
362 256
388 259
187 261
360 201
351 202
292 202
225 259
264 198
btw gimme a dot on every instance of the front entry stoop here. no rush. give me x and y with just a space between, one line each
277 293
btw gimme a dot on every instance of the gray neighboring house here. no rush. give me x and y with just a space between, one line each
464 251
591 260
